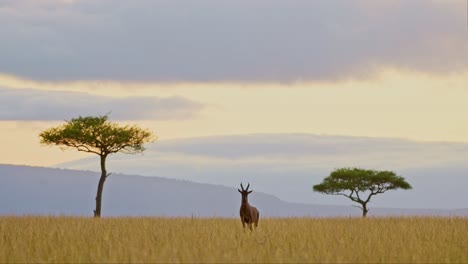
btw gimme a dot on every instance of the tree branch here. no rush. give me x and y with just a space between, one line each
350 196
357 194
84 148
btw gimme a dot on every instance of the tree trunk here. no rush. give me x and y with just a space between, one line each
364 210
97 211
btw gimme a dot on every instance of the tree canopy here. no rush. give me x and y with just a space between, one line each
355 184
95 134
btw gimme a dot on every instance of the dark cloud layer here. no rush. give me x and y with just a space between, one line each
220 40
30 105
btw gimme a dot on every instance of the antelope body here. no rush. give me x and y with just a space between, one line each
249 215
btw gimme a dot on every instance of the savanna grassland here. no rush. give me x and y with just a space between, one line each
295 240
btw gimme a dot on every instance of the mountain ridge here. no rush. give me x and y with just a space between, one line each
36 190
288 165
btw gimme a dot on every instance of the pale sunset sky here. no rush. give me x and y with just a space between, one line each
389 68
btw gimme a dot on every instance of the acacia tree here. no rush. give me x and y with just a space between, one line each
95 134
355 184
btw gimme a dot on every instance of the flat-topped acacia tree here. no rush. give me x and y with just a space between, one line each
96 134
356 183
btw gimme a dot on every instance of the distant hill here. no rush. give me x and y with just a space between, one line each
35 190
287 165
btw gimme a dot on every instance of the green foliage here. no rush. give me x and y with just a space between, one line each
360 180
95 134
353 183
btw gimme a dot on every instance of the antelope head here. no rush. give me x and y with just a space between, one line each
245 192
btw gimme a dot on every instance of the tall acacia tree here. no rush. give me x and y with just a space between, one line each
96 134
355 184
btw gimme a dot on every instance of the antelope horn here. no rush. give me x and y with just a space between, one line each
248 185
242 187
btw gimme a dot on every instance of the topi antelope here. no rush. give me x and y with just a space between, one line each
249 215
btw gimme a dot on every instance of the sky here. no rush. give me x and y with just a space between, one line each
389 68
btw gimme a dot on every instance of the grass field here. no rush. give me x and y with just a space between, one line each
296 240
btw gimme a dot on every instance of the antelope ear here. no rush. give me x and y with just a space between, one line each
249 192
239 190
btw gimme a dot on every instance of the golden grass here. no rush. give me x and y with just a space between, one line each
296 240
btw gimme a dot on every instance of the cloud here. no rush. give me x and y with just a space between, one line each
290 152
220 40
29 105
308 150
